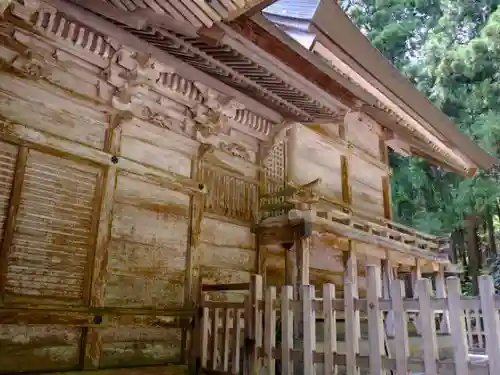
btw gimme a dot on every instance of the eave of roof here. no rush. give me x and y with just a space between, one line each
382 74
264 66
350 46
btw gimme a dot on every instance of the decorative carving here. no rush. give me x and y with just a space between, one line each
36 70
179 85
54 23
126 72
26 10
204 150
35 65
235 150
208 122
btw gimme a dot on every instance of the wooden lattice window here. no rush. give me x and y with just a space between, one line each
275 176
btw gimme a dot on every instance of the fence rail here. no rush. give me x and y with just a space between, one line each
261 335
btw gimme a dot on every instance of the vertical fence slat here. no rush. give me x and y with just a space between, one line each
441 293
427 327
235 342
286 329
330 342
400 327
309 328
225 339
257 295
468 320
388 277
215 338
491 322
270 329
457 326
375 327
247 331
204 336
351 341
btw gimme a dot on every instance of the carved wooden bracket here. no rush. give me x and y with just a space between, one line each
204 150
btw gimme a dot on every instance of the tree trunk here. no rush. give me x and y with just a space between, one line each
461 247
454 247
470 225
498 210
491 233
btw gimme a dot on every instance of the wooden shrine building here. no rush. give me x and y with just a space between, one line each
151 146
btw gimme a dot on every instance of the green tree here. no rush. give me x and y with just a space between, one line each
450 50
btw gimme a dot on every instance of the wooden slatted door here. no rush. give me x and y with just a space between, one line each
46 247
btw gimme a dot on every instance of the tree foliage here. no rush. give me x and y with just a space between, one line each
450 50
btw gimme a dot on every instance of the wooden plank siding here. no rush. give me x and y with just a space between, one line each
95 206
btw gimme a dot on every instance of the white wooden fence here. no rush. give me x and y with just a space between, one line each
242 337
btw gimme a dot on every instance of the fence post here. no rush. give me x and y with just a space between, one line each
375 325
194 366
400 327
330 341
248 343
427 327
441 293
457 326
309 328
204 334
270 329
235 343
256 322
351 337
388 277
215 338
225 339
491 322
286 329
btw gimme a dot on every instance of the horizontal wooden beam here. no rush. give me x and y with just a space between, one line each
251 7
124 37
139 19
225 287
282 69
36 139
96 318
275 44
275 235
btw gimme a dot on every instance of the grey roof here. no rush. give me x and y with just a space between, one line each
294 16
302 9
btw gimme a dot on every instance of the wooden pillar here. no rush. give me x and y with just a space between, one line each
98 271
351 275
441 293
416 274
10 224
302 259
387 279
290 276
197 204
386 182
302 255
192 275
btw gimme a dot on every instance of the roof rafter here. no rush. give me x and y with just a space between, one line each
105 27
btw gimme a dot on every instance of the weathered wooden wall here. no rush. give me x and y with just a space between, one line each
227 243
354 153
103 229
